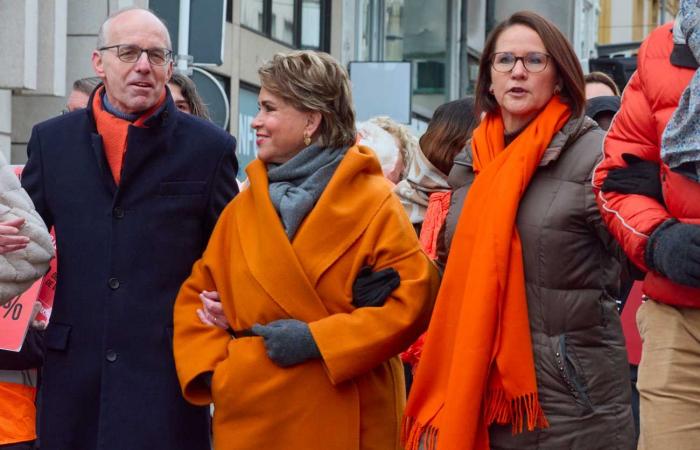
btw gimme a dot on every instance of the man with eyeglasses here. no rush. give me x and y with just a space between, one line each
133 188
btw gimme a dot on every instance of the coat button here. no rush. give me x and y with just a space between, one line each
111 356
113 283
118 212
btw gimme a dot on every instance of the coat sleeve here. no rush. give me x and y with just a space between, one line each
354 343
631 218
199 348
20 268
33 180
223 186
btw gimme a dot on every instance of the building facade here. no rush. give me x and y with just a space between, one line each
51 42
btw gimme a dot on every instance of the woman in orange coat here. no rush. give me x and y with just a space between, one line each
312 368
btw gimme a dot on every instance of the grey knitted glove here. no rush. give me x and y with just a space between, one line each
673 250
288 341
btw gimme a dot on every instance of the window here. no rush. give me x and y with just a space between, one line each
283 21
297 23
410 30
252 14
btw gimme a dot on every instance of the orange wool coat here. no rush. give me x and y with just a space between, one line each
354 397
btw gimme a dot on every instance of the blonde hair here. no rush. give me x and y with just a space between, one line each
314 81
408 142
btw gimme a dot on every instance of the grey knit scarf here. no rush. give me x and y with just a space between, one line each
296 185
680 142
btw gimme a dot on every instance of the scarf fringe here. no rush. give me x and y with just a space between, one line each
517 411
412 432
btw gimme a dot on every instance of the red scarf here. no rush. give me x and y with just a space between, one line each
477 366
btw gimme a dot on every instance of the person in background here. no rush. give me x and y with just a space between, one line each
133 188
602 98
385 147
310 361
425 193
186 97
599 84
25 251
425 183
648 190
80 94
602 103
525 348
405 140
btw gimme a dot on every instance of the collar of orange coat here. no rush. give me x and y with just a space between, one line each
477 366
289 271
114 131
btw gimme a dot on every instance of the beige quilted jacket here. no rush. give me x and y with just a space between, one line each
20 268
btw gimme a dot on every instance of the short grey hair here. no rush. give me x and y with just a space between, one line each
101 35
86 85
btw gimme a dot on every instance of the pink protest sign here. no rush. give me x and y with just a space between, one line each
15 316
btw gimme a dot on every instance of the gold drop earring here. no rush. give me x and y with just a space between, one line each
307 139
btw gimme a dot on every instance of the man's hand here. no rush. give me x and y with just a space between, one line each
10 240
212 313
288 341
373 288
640 177
674 251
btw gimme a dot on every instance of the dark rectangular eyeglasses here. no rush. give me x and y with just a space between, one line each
131 53
533 61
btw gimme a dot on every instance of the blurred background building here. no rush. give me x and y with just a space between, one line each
47 44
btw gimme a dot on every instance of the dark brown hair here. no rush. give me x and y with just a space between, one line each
560 51
452 124
189 93
602 78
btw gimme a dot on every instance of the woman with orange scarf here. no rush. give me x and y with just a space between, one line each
525 348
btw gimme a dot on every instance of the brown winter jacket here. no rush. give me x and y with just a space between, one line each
572 280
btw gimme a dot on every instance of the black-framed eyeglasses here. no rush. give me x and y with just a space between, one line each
532 61
131 53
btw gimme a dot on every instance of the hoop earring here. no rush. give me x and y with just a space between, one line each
557 90
307 139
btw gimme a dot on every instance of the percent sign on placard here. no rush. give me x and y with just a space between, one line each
14 307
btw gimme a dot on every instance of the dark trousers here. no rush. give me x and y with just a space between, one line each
18 446
635 397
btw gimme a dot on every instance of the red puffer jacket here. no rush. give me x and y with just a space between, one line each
647 105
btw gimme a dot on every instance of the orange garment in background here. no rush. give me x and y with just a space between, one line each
18 417
435 214
114 131
438 207
477 366
352 398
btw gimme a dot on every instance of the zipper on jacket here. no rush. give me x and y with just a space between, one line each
573 382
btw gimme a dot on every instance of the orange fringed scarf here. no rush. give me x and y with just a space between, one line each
477 366
114 131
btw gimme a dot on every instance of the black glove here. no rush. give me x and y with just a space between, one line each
373 288
639 177
288 341
673 250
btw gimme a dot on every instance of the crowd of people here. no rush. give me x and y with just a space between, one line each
365 289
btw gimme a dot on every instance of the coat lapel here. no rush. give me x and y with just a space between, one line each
142 144
342 213
269 254
102 164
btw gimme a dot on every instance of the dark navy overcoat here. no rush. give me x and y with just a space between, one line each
109 380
